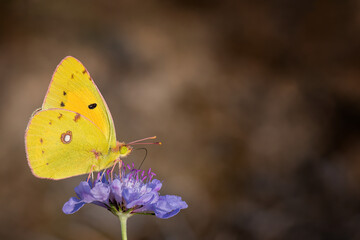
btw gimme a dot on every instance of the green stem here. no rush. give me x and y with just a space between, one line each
123 217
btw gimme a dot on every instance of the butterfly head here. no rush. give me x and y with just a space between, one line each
124 149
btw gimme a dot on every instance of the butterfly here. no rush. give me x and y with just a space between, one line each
73 132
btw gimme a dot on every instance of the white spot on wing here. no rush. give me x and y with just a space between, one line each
67 138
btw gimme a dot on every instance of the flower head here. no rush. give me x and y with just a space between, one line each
134 192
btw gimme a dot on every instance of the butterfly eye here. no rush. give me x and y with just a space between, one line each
92 106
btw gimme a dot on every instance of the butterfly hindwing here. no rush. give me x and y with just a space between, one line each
62 143
73 89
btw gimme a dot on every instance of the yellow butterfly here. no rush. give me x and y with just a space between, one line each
73 133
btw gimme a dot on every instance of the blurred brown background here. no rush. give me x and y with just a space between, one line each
257 104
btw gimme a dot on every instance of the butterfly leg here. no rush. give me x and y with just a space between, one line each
120 165
90 173
112 169
103 173
116 161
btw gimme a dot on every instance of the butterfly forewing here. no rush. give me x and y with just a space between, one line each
73 89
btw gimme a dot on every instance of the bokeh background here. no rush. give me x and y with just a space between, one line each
257 104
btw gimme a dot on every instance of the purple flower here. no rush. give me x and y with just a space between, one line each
135 192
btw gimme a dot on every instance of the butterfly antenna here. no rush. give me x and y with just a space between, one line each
138 142
144 156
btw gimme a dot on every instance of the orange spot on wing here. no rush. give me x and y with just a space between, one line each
41 140
60 116
97 154
84 71
77 117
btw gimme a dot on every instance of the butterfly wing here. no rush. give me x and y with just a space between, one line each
62 143
73 89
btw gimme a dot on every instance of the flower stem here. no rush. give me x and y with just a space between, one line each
123 217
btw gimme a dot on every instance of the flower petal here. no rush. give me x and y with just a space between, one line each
141 194
73 205
168 206
100 192
83 191
155 185
145 199
116 190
